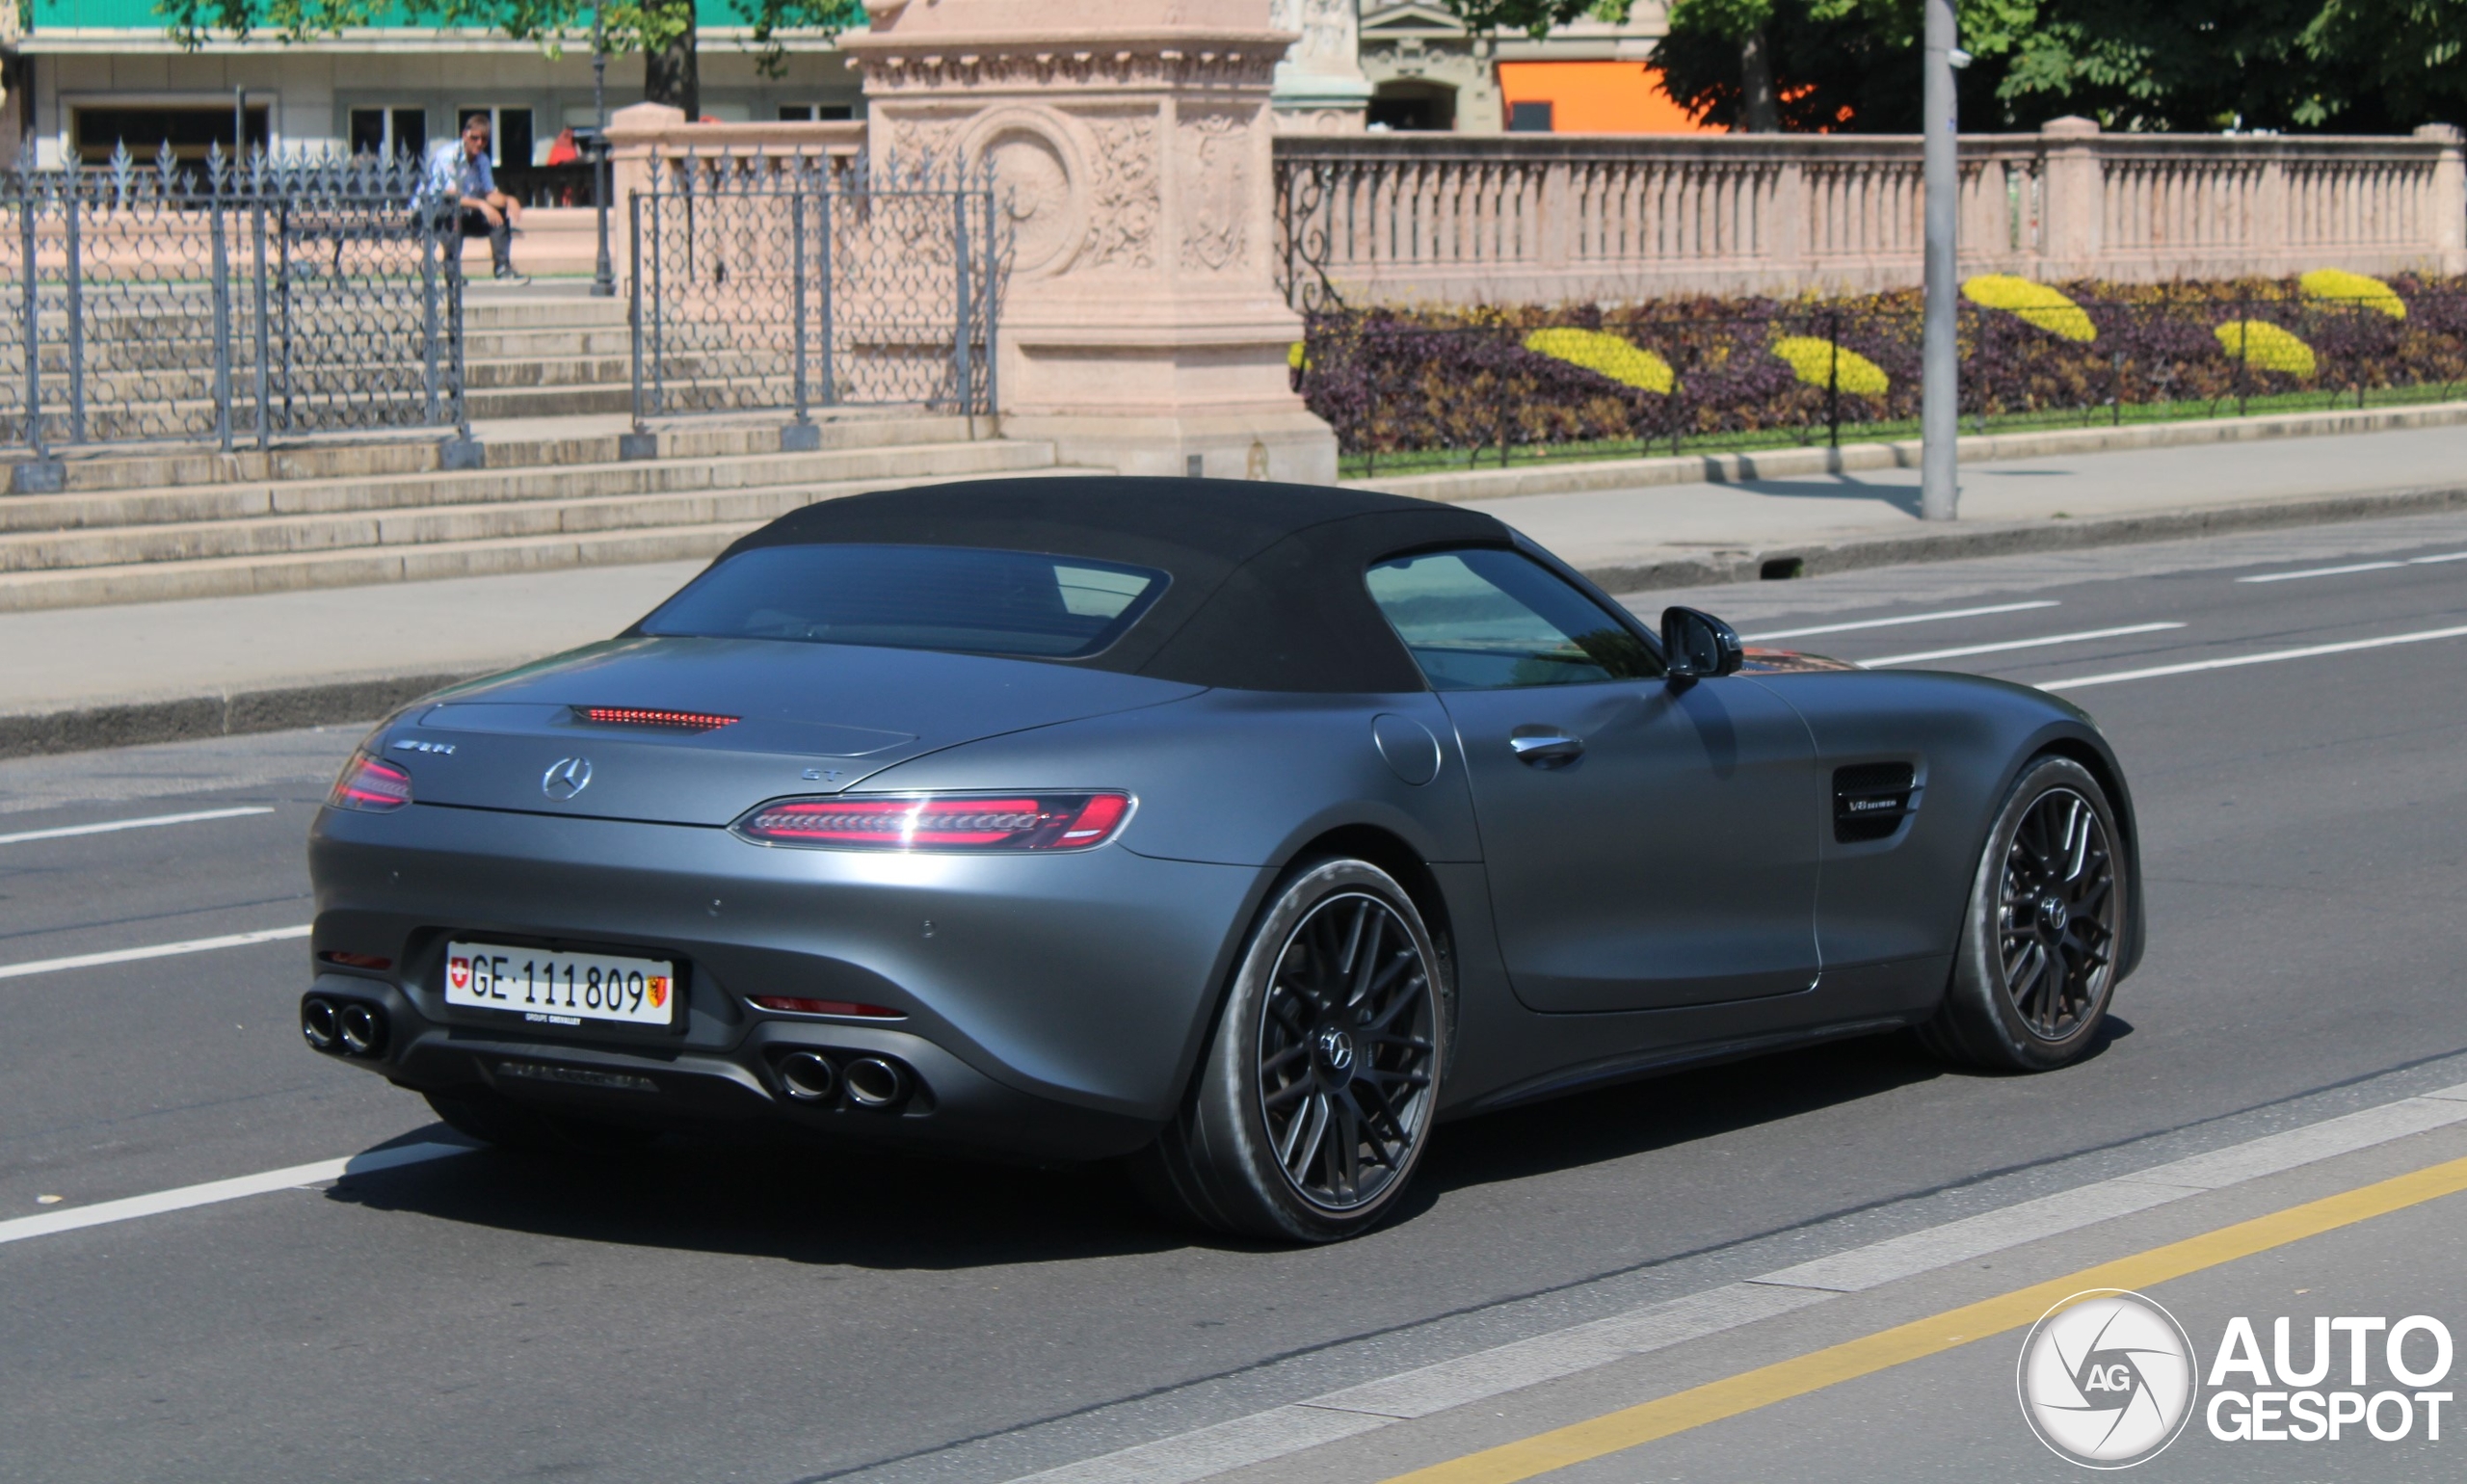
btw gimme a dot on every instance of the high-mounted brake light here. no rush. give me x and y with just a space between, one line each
1007 822
371 785
654 716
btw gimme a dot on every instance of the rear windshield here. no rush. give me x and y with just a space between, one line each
913 598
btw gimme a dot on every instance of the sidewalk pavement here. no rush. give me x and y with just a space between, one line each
80 678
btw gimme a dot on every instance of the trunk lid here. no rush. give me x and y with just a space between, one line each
810 719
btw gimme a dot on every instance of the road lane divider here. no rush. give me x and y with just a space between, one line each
1908 617
2272 657
1281 1431
214 1192
66 832
2357 567
1616 1432
152 951
2084 637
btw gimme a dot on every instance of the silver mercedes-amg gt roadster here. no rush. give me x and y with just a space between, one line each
1240 831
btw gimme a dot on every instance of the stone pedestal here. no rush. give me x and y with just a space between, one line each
1320 85
1141 328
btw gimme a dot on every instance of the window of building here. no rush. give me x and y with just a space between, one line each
509 132
816 112
1412 105
1528 118
145 128
387 132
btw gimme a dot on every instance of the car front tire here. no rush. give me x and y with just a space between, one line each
2035 971
1314 1102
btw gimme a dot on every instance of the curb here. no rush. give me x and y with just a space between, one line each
1579 477
2009 538
228 714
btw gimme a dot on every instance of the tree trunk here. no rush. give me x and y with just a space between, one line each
672 74
1760 114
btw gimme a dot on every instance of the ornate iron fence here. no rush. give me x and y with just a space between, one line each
790 282
239 301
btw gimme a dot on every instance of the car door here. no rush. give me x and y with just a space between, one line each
1648 843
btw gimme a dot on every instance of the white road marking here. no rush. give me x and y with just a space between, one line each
64 832
2083 637
1281 1431
1914 618
213 1192
2274 655
152 951
2356 567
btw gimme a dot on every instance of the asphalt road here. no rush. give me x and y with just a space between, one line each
768 1312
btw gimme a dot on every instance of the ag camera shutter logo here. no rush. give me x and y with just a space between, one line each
2107 1379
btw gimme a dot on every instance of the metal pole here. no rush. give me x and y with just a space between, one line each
432 252
239 125
991 309
222 321
634 292
797 295
830 347
34 328
604 283
1939 395
257 227
76 312
959 288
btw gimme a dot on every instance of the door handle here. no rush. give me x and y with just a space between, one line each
1546 749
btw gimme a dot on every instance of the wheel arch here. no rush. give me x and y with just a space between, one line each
2094 758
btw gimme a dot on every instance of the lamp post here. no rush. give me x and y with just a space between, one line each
1940 366
604 283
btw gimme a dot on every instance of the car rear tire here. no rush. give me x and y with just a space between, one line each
1312 1102
2035 969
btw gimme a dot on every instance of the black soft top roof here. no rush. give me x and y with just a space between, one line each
1266 591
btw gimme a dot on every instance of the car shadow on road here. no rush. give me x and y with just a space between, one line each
832 1206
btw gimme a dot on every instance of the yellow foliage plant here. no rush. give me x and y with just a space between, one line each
1819 362
2264 347
1606 355
2337 286
2034 303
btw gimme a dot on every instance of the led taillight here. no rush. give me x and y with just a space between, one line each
1041 822
372 785
656 717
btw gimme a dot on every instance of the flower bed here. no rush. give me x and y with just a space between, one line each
1668 374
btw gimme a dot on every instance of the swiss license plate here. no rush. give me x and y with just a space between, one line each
561 988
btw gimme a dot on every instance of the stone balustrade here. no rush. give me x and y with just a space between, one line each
1452 219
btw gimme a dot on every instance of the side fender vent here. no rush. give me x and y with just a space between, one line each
1872 799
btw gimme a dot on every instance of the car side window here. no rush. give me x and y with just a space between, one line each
1483 618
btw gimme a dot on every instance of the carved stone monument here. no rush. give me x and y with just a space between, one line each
1142 330
1320 85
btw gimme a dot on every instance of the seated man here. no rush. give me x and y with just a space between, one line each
457 169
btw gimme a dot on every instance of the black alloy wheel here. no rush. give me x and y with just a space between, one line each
2035 968
1346 1051
1314 1103
2056 927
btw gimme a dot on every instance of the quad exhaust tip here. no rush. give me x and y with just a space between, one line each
875 1082
810 1077
346 1026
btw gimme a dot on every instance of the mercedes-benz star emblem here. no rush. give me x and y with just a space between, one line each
566 778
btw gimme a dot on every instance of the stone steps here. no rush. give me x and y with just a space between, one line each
236 521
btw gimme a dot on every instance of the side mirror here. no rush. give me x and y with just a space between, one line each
1698 646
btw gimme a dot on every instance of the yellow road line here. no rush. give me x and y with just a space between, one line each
1616 1431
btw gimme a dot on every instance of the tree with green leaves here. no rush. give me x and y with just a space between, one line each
2362 67
664 31
1533 17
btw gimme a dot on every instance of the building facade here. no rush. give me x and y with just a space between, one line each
1427 72
88 75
